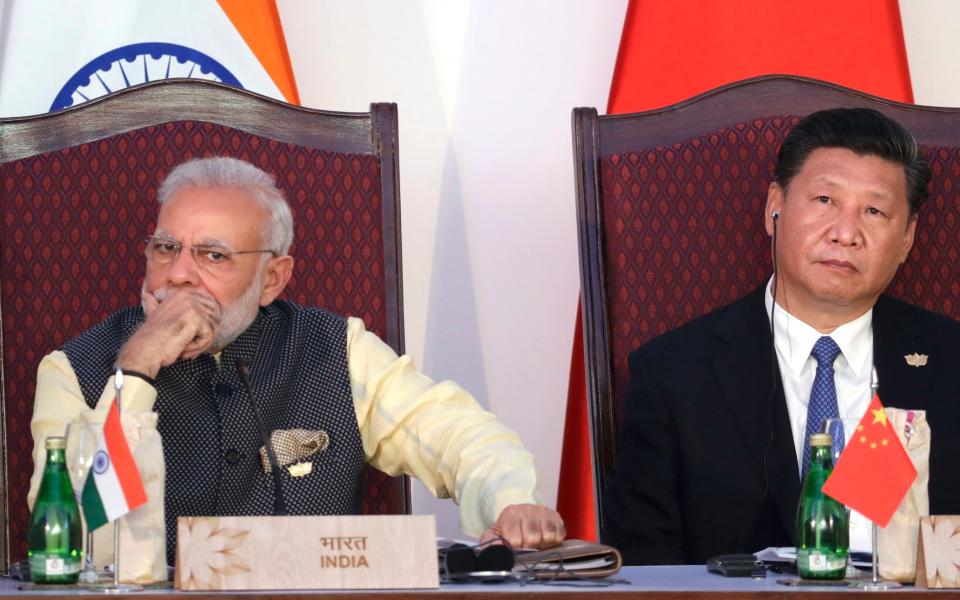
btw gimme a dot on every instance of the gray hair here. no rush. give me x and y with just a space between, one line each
222 171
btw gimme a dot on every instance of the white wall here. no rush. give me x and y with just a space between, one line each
930 33
485 89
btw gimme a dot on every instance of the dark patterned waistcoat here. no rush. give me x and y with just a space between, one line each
299 371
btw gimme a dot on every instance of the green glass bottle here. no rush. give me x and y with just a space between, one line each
822 523
54 543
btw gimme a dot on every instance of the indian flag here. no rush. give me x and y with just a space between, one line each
65 53
113 487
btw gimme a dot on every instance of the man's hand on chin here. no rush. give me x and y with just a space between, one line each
183 325
527 526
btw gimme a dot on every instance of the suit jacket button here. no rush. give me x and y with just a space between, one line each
223 389
232 456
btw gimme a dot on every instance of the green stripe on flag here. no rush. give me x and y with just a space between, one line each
93 510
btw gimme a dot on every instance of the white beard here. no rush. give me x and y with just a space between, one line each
238 316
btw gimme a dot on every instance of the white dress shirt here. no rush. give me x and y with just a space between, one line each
794 340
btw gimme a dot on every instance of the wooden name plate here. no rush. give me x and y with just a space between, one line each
287 553
938 556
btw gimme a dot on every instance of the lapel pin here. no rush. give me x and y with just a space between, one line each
916 360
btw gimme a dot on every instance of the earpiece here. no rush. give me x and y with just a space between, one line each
775 215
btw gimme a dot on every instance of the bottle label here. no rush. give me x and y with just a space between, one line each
819 562
45 565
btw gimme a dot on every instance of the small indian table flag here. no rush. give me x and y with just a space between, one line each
113 486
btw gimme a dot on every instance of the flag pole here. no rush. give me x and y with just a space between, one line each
874 386
117 587
118 387
875 583
857 481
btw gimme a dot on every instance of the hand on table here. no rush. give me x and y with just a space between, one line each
527 526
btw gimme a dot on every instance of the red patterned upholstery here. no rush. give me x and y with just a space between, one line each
670 214
684 230
931 276
73 221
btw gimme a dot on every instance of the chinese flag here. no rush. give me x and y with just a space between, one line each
874 471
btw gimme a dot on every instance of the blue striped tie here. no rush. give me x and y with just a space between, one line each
823 398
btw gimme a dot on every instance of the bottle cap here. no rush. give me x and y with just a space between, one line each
821 439
56 442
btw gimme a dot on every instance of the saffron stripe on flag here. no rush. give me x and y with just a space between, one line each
103 498
127 474
258 23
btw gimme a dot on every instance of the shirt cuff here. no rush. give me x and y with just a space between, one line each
138 394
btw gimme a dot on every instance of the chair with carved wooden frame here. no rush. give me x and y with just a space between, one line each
669 210
78 190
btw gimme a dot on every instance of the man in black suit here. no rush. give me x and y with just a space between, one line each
715 417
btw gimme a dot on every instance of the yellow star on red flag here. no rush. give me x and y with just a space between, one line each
855 481
879 417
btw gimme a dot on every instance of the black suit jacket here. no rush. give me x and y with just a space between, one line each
706 462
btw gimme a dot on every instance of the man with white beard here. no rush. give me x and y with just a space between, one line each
215 266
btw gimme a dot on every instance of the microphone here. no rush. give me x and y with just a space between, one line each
279 506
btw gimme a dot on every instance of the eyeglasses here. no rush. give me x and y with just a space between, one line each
211 258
